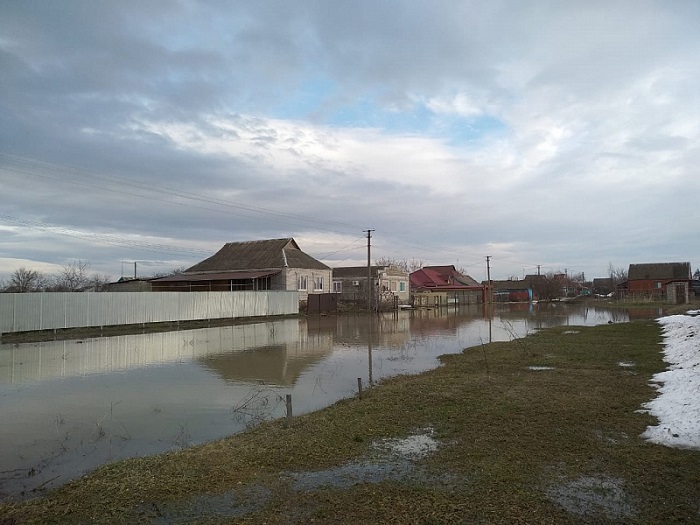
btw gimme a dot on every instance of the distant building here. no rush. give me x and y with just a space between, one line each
603 286
659 280
512 291
388 282
444 285
126 284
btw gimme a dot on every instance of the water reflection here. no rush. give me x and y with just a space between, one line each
69 406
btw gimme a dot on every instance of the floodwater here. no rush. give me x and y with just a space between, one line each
67 407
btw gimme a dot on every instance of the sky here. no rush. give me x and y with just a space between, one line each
677 407
558 135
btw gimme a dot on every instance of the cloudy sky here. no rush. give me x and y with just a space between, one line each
559 134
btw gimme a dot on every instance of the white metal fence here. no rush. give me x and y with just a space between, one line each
21 312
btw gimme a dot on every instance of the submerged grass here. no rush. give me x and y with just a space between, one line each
541 430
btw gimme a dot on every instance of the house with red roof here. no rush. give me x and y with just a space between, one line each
443 286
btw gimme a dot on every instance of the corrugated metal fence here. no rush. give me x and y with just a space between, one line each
21 312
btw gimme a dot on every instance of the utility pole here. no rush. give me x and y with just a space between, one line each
369 270
488 277
538 269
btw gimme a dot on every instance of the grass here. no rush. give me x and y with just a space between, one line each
557 445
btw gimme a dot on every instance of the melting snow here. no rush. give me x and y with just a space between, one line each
678 405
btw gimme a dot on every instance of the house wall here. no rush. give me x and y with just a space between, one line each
512 296
390 281
647 287
386 283
678 292
447 297
289 280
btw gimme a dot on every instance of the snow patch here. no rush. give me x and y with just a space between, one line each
413 447
536 368
677 406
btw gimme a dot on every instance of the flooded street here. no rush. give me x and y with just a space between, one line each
70 406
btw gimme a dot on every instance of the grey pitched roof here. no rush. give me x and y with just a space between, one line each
258 255
674 270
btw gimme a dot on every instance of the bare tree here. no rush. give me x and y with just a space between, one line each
72 277
98 281
618 275
404 264
176 271
24 281
579 278
547 286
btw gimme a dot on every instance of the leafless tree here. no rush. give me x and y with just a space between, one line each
24 281
176 271
618 275
548 286
404 264
72 277
98 281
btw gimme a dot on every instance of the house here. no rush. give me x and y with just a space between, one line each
555 286
444 285
126 284
388 283
274 264
603 285
660 280
512 291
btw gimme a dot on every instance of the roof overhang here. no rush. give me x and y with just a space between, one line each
219 276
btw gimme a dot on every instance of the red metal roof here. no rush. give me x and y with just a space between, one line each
432 279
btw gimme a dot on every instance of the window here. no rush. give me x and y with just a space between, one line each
402 286
337 286
318 283
303 283
393 286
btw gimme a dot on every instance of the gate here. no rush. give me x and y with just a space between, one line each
322 303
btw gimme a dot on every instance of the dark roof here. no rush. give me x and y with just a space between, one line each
674 270
258 255
219 276
511 285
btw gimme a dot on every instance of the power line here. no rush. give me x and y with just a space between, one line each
117 185
103 238
157 192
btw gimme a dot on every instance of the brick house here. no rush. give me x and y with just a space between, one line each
660 280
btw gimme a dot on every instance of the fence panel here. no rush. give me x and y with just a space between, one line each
43 311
